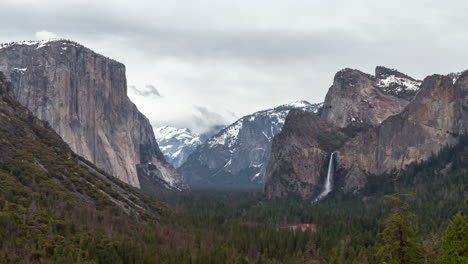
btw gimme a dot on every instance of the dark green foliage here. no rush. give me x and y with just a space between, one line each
400 245
455 241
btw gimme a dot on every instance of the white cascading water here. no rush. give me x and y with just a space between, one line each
328 181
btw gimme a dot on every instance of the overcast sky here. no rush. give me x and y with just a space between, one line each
200 63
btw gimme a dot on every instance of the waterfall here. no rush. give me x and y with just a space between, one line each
328 181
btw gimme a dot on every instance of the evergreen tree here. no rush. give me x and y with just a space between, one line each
455 241
400 245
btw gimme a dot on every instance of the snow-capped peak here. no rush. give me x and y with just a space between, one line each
275 116
298 104
396 83
401 82
176 143
168 132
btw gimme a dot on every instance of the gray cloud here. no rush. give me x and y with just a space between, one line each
224 56
205 118
148 90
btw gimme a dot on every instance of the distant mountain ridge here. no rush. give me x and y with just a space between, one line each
236 157
178 143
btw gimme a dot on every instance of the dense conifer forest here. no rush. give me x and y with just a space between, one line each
54 211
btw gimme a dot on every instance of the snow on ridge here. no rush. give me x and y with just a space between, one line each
166 135
298 104
229 135
454 76
44 43
28 43
40 43
176 143
408 84
277 115
167 132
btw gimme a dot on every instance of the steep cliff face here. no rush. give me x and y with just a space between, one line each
83 95
357 97
5 87
238 155
435 116
300 154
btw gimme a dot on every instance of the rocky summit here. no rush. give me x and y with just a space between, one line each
373 126
83 96
357 97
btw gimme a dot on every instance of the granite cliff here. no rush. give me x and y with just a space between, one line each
300 154
435 118
83 96
357 97
380 132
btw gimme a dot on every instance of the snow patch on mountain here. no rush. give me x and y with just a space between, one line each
176 143
277 116
402 83
395 83
454 76
229 135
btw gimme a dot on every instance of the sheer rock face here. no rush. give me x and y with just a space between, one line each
359 97
300 154
436 116
433 118
5 87
83 95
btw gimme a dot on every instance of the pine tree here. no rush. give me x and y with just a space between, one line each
400 245
455 241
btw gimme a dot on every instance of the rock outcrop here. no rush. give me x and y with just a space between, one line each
300 154
5 87
83 95
238 155
357 97
434 116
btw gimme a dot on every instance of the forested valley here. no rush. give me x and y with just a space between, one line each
50 226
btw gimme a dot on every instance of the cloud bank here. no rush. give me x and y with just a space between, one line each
243 56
